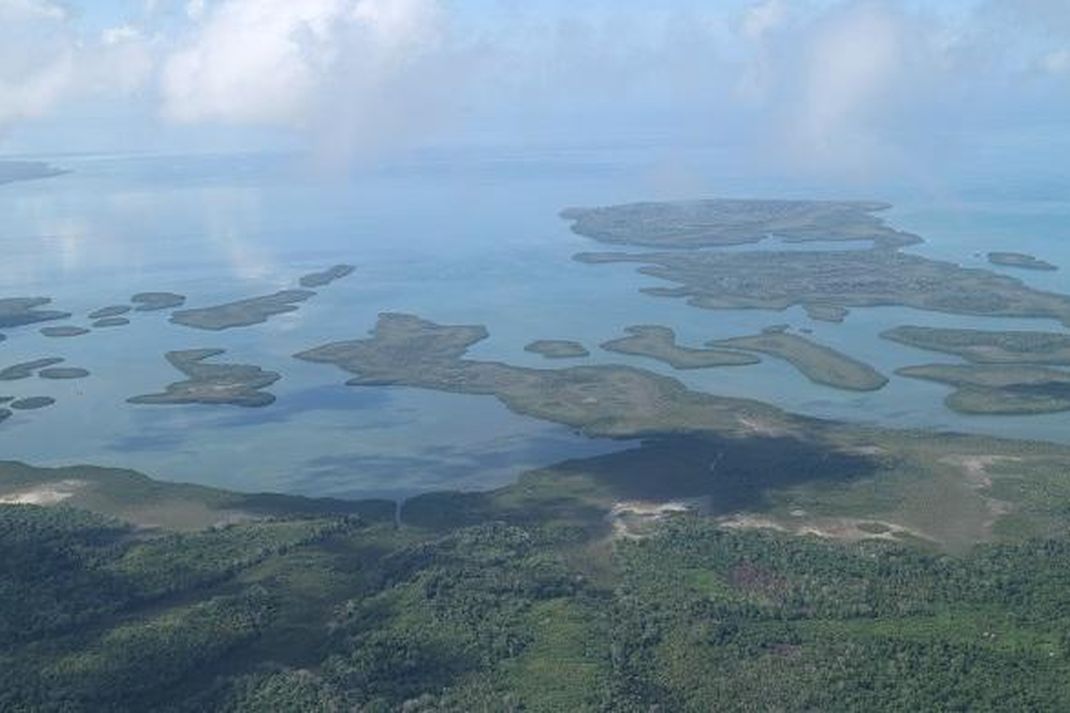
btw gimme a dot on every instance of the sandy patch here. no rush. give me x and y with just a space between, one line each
631 518
832 528
47 494
975 467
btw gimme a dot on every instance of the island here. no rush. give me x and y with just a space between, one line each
26 369
109 311
1002 390
557 349
20 311
721 222
32 403
231 384
63 372
11 171
816 362
988 347
659 343
825 313
776 280
326 277
826 283
153 301
1020 260
64 331
242 313
111 322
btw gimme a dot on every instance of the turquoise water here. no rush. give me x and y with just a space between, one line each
464 236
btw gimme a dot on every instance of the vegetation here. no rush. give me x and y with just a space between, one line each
999 389
557 349
298 614
659 343
816 362
242 313
233 384
985 347
19 311
719 222
152 301
326 277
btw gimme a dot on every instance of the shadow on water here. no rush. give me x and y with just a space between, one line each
727 474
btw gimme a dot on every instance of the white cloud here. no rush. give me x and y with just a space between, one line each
761 18
44 62
1056 62
274 61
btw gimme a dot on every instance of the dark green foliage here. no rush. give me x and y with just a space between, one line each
691 617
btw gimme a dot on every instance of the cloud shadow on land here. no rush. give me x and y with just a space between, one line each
727 474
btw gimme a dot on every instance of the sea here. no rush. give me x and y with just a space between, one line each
461 235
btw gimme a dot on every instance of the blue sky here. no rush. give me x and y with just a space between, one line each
843 85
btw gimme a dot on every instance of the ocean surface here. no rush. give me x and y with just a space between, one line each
459 236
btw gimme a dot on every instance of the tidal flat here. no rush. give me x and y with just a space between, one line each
817 362
722 222
242 313
1020 260
999 389
557 349
988 347
659 343
229 384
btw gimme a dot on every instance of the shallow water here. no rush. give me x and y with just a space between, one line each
463 237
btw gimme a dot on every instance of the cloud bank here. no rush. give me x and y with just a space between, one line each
844 86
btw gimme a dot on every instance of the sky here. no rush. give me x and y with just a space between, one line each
841 86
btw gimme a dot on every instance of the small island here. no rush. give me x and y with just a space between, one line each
242 313
11 171
20 311
825 312
153 301
326 277
998 390
110 311
818 363
230 384
63 372
26 369
657 342
1020 260
111 322
988 347
32 403
64 332
557 349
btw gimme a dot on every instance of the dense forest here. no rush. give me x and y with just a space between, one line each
333 612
